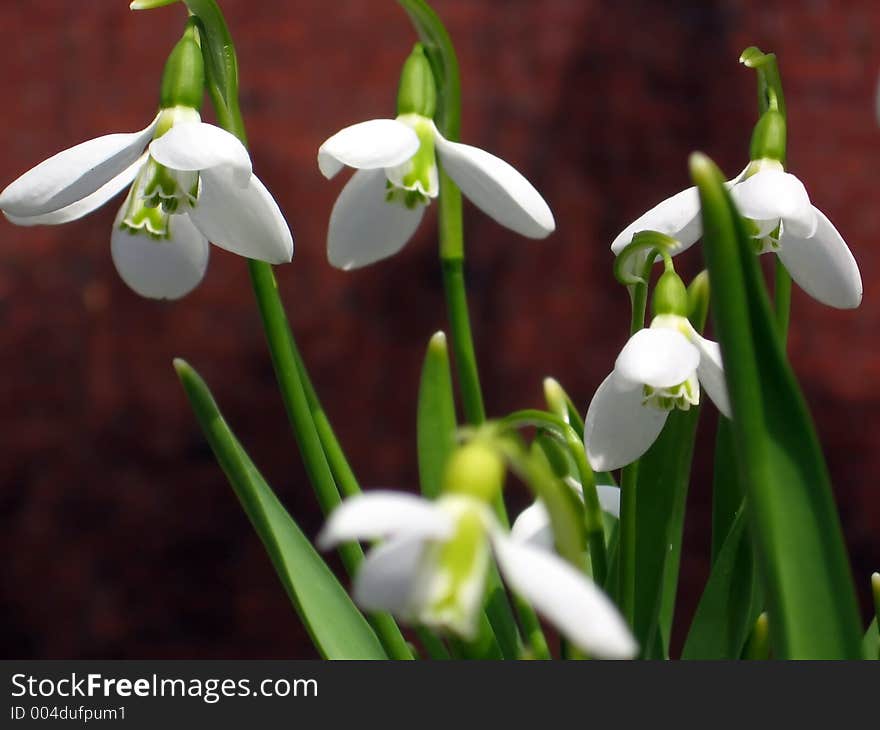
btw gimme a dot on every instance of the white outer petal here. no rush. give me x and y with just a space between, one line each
658 357
194 146
618 429
379 513
609 499
565 597
386 579
822 265
496 188
244 220
678 216
773 194
711 373
166 269
73 174
378 143
532 525
90 203
364 227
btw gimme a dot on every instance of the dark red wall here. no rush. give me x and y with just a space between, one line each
119 534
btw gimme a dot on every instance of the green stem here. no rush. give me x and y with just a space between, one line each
462 341
627 562
592 511
782 295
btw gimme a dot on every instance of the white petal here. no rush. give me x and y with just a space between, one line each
245 220
711 373
83 207
370 145
658 357
678 216
378 514
568 599
822 265
496 188
609 499
774 194
194 146
533 526
160 269
73 174
385 580
618 429
364 227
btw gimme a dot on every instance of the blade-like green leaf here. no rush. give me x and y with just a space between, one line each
337 628
871 642
729 605
793 519
436 424
664 475
726 491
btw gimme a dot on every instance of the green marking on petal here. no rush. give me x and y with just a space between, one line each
460 565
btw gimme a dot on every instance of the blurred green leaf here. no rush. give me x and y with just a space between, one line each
729 606
793 519
871 642
663 478
436 423
337 628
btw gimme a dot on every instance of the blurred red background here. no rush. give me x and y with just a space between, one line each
121 536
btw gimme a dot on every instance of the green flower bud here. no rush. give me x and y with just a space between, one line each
418 91
476 470
670 295
769 137
183 81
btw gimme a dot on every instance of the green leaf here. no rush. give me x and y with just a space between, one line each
663 478
436 423
726 491
871 642
337 628
730 603
793 519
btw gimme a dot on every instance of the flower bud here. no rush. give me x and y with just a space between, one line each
769 137
183 81
670 295
476 470
418 91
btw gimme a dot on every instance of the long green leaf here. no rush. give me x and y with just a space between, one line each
663 478
793 519
337 628
435 424
871 642
729 605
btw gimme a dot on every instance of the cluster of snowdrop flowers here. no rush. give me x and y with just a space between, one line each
660 369
381 207
784 222
193 184
433 567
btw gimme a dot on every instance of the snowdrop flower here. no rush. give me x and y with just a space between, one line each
381 206
194 184
661 368
533 526
433 567
785 222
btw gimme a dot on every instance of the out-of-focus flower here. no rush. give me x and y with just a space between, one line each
433 568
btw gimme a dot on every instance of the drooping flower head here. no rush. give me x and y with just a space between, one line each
660 369
194 184
433 567
380 208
